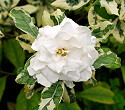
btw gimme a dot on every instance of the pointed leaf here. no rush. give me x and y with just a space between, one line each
2 86
98 94
24 77
108 59
24 22
14 52
51 97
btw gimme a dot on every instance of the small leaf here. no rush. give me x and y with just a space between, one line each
51 97
24 77
7 4
98 94
57 16
28 8
66 106
2 86
26 41
46 19
69 95
70 4
24 22
123 73
108 59
39 14
27 104
14 52
29 90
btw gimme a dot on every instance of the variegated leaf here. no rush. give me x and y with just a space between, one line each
93 17
119 31
110 6
122 10
24 22
35 2
24 77
26 41
69 95
7 4
70 4
103 10
57 16
107 59
51 97
28 8
3 15
40 11
29 90
102 30
46 20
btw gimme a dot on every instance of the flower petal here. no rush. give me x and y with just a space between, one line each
85 74
50 75
69 84
43 80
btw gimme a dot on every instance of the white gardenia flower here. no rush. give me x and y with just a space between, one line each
64 52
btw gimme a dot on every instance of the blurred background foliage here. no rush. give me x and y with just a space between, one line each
108 94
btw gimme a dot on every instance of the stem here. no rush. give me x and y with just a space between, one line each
6 73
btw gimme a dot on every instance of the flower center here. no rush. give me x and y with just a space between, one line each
62 52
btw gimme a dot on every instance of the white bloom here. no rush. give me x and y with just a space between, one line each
64 52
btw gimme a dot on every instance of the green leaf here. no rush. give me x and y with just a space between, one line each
27 104
98 94
123 73
24 77
70 4
66 106
26 41
0 51
51 97
24 22
14 52
2 86
108 59
8 3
